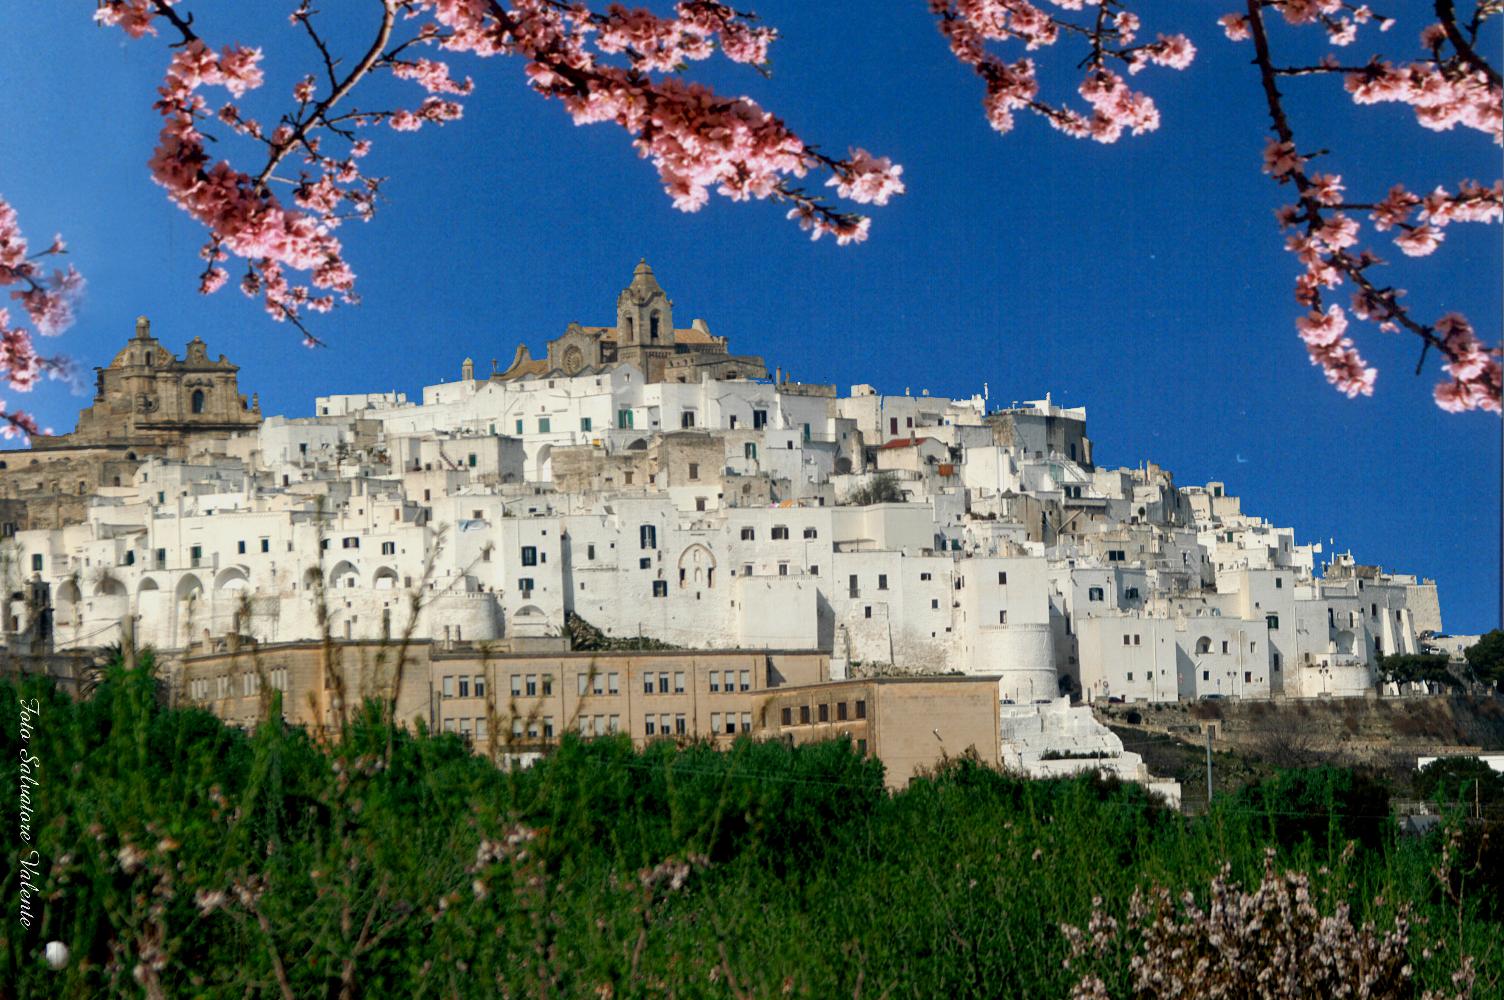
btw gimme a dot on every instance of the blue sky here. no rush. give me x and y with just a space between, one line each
1144 280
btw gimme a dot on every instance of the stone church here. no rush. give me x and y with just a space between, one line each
146 402
150 399
644 336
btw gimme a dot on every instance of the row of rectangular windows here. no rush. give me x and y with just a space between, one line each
250 684
822 713
607 682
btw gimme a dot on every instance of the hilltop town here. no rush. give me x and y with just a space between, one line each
638 530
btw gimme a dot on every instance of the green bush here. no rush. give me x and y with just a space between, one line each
183 857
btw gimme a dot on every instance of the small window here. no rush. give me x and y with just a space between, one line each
529 555
861 713
788 716
1002 579
526 586
660 588
266 544
748 534
882 581
1094 594
811 533
749 451
585 424
804 715
840 711
1002 617
240 547
780 533
647 536
687 419
694 470
715 681
544 425
1273 622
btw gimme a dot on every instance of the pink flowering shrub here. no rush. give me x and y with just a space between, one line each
46 300
1270 943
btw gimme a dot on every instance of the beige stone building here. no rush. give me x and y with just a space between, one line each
147 402
643 335
515 705
909 723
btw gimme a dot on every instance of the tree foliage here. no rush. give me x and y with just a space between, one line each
881 488
1486 658
1409 668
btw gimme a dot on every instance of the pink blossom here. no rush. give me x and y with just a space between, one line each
405 121
1337 232
1280 159
1395 209
1326 188
1323 329
1235 26
1174 51
131 16
868 179
1419 241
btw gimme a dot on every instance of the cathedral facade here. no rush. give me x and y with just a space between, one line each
150 399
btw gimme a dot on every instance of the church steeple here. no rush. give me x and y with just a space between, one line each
644 313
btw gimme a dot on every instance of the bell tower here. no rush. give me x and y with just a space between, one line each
644 314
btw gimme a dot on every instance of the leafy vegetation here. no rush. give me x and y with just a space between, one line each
1405 668
183 857
1486 658
881 488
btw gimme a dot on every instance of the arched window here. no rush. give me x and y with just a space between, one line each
1204 645
198 401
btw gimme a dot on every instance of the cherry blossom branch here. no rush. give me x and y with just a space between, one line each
970 25
48 303
1323 246
1446 14
614 65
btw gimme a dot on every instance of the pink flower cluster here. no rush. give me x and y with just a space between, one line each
1475 382
1443 96
242 216
970 25
47 300
134 17
1334 353
1444 93
601 65
698 140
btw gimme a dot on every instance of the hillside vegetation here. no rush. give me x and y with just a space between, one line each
182 857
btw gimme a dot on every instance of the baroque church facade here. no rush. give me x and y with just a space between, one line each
149 399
